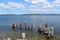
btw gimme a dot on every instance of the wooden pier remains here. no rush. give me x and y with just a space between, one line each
44 31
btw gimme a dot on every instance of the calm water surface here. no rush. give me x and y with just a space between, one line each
7 21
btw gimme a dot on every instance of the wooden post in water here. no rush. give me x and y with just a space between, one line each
15 26
51 31
41 29
28 29
32 28
24 26
20 26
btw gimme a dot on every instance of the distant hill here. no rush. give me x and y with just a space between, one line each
43 14
7 14
29 14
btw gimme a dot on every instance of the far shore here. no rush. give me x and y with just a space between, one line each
29 14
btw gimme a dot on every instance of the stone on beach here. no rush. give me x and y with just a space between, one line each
23 35
9 39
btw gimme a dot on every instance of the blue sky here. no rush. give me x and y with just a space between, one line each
29 6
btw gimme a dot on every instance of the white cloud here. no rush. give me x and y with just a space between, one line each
35 1
12 5
45 6
36 7
57 3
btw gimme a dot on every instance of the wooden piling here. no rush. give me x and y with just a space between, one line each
32 27
20 26
15 26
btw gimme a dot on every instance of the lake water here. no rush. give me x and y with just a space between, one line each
7 21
